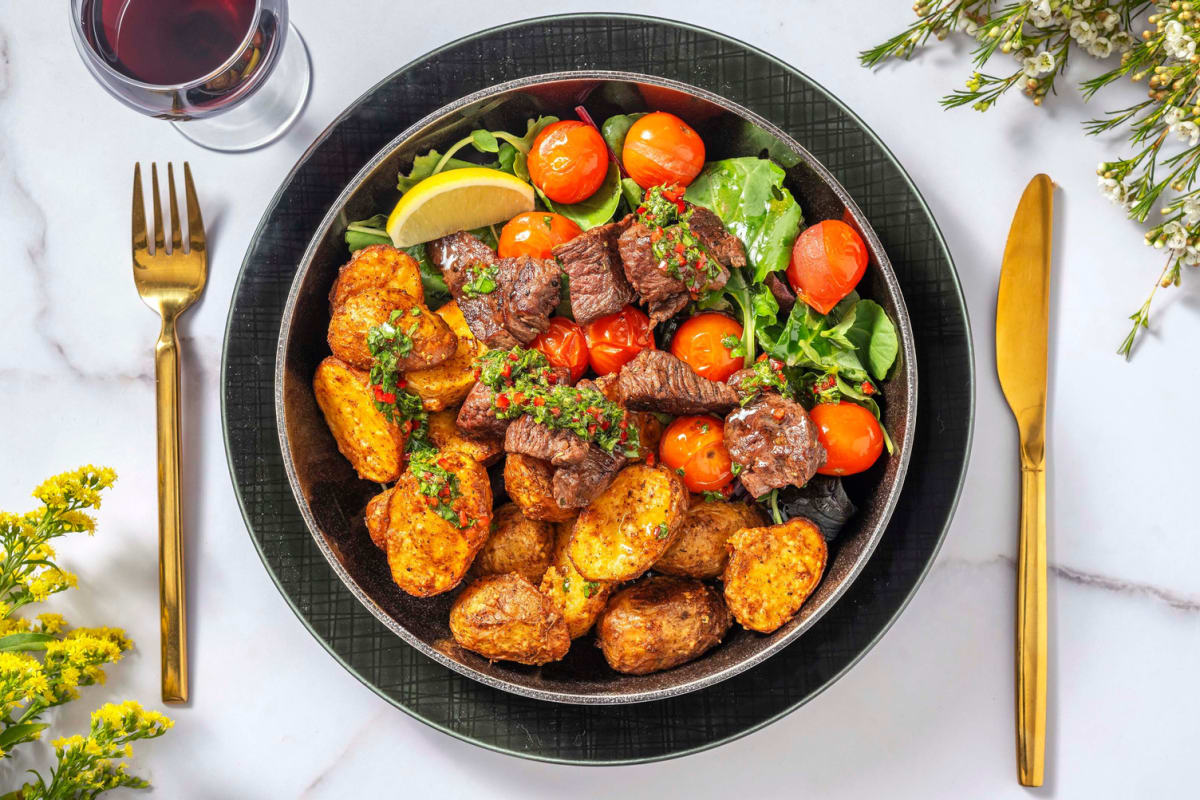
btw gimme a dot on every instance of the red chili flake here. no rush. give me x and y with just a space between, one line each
672 191
401 383
624 423
513 357
658 234
605 424
591 429
506 371
462 518
551 377
727 489
502 401
539 401
478 372
776 364
867 388
409 425
443 463
778 414
556 412
624 435
679 248
384 397
650 459
641 210
579 397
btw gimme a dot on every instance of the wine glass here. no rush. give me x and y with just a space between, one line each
231 75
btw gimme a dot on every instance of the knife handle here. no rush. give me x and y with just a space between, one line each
1031 628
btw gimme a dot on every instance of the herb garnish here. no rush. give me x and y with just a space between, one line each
481 279
661 532
679 252
590 588
438 484
388 344
524 383
766 374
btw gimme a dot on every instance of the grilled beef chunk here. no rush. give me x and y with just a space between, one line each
532 438
477 417
528 288
453 254
709 229
577 485
663 294
518 309
783 293
655 380
775 442
592 261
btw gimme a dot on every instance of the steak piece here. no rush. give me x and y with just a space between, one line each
709 229
577 485
655 380
776 443
518 309
453 254
784 296
476 417
532 438
528 294
598 286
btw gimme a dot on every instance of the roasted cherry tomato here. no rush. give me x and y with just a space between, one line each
851 436
535 233
568 161
564 346
616 339
828 261
700 342
660 148
696 445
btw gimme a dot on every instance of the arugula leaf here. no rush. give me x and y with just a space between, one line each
509 148
873 337
616 127
366 232
597 209
749 197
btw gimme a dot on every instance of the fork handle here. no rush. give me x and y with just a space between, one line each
1031 627
171 594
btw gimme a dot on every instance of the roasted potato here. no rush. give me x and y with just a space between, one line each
515 544
379 266
445 385
527 481
502 617
660 622
579 599
377 518
772 571
432 340
630 525
446 435
427 554
700 550
371 444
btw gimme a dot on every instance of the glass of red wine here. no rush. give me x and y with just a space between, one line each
231 74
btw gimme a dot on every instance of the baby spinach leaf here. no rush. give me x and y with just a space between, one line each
426 165
432 282
615 129
749 197
366 232
597 209
873 337
485 141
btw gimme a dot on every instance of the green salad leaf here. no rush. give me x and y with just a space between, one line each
749 197
430 164
510 151
366 232
437 293
873 337
615 129
597 209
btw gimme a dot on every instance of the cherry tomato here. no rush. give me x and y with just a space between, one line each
851 436
568 161
535 233
700 343
660 148
696 445
564 346
616 339
681 104
828 260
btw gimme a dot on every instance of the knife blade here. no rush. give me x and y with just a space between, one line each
1022 329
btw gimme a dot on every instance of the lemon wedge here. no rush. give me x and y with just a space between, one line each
456 200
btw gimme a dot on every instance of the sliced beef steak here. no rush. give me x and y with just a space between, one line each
485 317
528 289
577 485
655 380
531 438
776 443
476 416
592 261
709 229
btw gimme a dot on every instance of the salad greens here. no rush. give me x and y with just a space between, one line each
510 150
597 209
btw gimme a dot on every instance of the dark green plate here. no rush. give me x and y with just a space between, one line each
659 729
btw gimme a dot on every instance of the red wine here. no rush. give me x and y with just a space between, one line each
165 42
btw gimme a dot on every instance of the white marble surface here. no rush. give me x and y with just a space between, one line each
927 713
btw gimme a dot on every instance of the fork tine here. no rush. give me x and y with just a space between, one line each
176 233
139 211
158 221
195 221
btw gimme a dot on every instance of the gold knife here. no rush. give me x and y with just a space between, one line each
1022 309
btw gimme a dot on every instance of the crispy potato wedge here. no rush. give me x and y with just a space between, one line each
579 600
447 384
446 435
379 266
427 554
432 340
630 525
772 571
372 445
528 482
503 617
661 622
377 517
700 550
515 544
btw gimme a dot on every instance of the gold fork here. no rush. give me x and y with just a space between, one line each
169 281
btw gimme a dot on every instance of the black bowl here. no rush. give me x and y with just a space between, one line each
332 498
